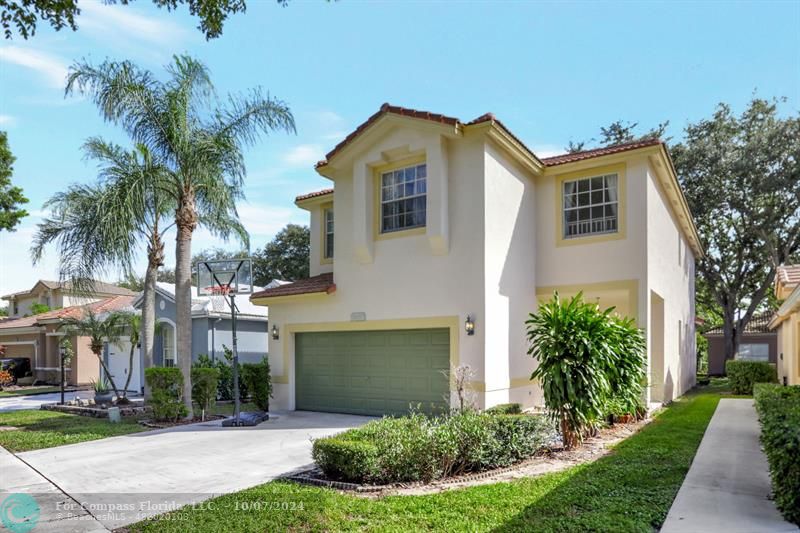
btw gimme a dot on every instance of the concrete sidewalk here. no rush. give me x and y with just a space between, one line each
49 509
728 484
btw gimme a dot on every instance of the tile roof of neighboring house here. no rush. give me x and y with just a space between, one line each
789 274
759 324
315 284
315 194
598 152
115 303
100 287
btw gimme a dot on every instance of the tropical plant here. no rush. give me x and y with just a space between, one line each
131 325
585 357
200 141
98 228
204 388
100 386
6 379
100 329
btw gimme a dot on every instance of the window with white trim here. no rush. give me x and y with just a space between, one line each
168 345
403 198
753 352
327 215
590 206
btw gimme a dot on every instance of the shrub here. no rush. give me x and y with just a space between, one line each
166 400
225 367
204 387
5 378
505 409
256 379
419 448
585 356
742 375
779 413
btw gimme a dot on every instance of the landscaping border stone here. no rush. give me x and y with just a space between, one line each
96 412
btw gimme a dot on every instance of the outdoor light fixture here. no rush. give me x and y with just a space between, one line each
469 325
275 333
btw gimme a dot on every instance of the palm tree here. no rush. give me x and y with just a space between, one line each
200 141
99 227
131 324
100 329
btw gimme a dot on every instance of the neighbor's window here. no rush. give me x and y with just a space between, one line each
403 195
753 352
591 206
328 216
168 345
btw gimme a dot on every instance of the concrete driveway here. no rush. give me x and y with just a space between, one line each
34 401
124 479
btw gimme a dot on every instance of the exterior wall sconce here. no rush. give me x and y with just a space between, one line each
469 325
275 333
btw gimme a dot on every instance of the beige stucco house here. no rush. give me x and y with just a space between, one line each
59 294
786 322
437 240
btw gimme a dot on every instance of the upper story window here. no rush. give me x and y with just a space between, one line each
327 216
590 206
403 198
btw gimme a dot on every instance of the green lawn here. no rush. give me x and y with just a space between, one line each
31 390
45 429
628 490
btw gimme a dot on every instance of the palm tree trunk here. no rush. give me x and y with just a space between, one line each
130 371
186 221
108 374
155 258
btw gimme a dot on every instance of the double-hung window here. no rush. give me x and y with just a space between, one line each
590 206
328 227
403 197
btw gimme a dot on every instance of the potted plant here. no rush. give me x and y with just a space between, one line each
102 392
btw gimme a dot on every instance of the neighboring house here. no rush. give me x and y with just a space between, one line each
786 322
56 295
757 343
438 239
211 332
38 337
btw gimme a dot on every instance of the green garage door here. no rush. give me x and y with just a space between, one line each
372 372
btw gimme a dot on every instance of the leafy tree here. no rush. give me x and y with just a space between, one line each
199 140
100 330
741 177
285 257
10 197
99 227
586 357
23 15
620 132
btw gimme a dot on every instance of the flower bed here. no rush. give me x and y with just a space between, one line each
779 413
419 448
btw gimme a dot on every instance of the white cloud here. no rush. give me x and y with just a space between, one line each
7 120
115 21
304 155
50 67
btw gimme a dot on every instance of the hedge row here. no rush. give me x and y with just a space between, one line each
779 413
742 375
419 448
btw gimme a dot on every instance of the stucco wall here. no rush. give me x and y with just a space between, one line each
789 350
670 274
716 350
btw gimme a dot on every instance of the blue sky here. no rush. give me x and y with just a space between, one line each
553 72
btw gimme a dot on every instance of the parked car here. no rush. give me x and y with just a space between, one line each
18 367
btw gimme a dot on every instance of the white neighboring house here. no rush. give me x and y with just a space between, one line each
435 227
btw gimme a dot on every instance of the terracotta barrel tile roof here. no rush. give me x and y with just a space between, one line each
314 284
789 274
597 152
759 324
315 194
115 303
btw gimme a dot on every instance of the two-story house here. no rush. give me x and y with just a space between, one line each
786 323
437 240
59 294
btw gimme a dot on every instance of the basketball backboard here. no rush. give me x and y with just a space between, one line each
230 275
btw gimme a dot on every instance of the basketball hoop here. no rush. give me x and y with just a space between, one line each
219 297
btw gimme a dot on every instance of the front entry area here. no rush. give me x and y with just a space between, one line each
373 372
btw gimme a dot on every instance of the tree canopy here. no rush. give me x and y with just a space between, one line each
741 177
11 197
285 257
619 132
22 16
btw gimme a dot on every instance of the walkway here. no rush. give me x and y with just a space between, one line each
34 401
728 485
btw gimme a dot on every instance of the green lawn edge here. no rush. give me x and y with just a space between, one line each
630 489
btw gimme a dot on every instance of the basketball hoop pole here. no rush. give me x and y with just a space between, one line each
235 361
